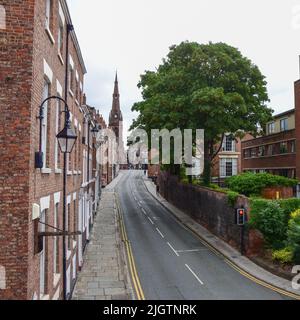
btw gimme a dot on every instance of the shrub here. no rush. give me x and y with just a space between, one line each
252 184
284 255
232 196
289 205
296 257
269 218
294 229
296 215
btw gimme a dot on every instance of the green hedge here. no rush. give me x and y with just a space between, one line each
269 218
279 222
251 184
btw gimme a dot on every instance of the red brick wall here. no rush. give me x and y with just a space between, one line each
16 46
22 77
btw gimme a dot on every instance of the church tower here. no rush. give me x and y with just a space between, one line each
116 117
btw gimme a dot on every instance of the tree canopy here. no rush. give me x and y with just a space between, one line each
204 86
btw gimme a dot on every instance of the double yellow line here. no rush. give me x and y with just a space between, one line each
132 267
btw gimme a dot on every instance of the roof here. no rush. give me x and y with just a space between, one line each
285 113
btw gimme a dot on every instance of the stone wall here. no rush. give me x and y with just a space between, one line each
211 209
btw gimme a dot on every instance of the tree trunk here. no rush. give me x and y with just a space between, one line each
207 164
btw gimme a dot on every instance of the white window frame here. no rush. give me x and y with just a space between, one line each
48 14
46 94
43 256
223 163
286 124
2 17
271 128
57 150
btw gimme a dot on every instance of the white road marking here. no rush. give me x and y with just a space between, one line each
173 249
150 220
193 250
194 274
160 233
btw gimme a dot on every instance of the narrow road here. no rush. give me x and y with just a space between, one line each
172 263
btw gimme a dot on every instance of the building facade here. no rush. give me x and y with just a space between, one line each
38 61
228 161
274 152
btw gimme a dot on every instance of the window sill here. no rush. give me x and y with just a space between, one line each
71 93
46 171
77 102
56 279
70 173
45 297
75 172
61 58
58 171
49 33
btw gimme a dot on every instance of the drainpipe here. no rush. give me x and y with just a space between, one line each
69 29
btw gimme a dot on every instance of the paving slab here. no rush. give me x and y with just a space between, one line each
104 275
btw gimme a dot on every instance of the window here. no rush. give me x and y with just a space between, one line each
56 242
45 124
246 153
77 96
284 125
293 146
43 254
60 37
283 147
2 17
229 143
48 14
261 151
71 79
75 152
57 130
271 150
68 226
74 220
271 128
228 167
253 152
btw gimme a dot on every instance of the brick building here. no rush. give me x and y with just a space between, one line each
228 161
274 152
33 66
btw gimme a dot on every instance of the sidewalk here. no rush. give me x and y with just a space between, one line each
223 249
104 273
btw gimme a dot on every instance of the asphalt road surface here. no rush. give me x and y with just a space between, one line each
171 262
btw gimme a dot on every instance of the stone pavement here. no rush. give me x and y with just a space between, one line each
222 247
104 274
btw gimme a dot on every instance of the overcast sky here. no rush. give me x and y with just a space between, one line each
134 35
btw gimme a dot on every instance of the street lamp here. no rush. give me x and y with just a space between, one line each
66 140
95 131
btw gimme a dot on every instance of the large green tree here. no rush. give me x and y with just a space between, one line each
204 86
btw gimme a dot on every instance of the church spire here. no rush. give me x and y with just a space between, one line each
116 114
116 89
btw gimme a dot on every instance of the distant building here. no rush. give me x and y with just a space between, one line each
228 161
116 124
275 152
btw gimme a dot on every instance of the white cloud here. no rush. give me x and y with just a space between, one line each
134 35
